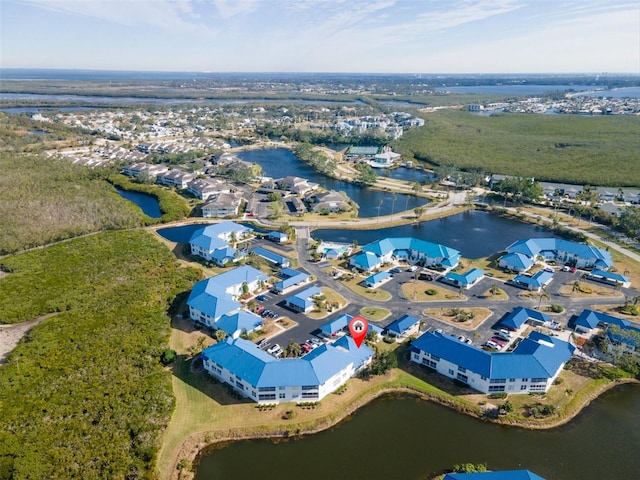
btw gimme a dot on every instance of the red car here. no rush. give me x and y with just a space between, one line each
306 348
499 341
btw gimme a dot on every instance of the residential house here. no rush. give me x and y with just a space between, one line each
331 201
376 279
278 237
137 169
531 367
272 257
297 185
264 379
610 278
520 315
206 188
290 279
238 322
534 283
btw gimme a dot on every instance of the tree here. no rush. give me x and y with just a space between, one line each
543 295
366 176
168 356
293 349
220 335
418 211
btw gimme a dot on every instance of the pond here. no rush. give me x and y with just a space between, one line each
279 162
147 203
474 233
183 233
407 438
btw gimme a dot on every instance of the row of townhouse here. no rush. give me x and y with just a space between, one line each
213 242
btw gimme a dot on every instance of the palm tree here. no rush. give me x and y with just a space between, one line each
379 205
543 294
575 287
393 203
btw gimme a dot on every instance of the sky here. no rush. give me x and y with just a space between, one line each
355 36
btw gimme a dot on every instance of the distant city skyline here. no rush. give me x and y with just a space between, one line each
350 36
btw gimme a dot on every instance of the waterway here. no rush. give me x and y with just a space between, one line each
147 203
474 233
514 89
407 438
280 162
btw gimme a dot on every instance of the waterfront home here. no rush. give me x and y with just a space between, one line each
579 255
175 178
290 279
272 257
403 327
238 322
521 315
621 333
534 283
405 249
516 262
211 298
504 475
296 185
223 205
263 378
226 255
206 240
463 280
205 188
531 367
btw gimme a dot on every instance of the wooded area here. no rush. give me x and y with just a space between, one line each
84 395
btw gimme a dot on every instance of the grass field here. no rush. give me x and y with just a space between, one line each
568 148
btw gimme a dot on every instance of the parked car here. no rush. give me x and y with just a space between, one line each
260 309
548 269
315 342
492 345
262 343
468 341
261 298
505 332
274 348
462 338
306 348
394 270
412 268
498 341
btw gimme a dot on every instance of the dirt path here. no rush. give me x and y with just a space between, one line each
10 335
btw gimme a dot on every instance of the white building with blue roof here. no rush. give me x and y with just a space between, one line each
210 299
531 367
579 255
291 279
403 327
265 379
535 282
207 240
464 280
405 249
520 315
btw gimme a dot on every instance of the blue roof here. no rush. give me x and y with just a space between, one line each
504 475
466 278
211 237
377 277
336 324
589 319
277 234
402 324
517 261
538 356
538 280
520 315
247 361
210 296
269 255
222 254
366 260
431 250
303 299
609 275
299 277
240 320
288 272
534 246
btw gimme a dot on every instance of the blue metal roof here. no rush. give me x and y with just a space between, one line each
303 299
288 272
392 244
269 255
402 324
241 320
609 275
538 356
538 280
277 234
534 246
504 475
366 260
517 261
289 281
336 324
589 319
377 277
520 315
247 361
222 254
466 278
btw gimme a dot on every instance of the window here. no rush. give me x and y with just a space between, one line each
462 369
435 357
267 396
282 395
511 380
281 388
525 379
451 372
523 387
267 389
498 380
463 378
239 385
309 394
538 380
309 387
496 388
483 378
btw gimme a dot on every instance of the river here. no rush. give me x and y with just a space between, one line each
407 438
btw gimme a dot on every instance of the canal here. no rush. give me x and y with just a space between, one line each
407 438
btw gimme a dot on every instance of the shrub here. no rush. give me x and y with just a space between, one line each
497 396
431 291
168 357
555 308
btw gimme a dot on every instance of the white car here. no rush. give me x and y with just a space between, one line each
412 268
275 350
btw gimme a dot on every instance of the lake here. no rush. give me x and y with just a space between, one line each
474 233
280 162
147 203
408 438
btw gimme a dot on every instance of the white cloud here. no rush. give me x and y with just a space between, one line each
232 8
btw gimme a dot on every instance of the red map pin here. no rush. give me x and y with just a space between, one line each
358 327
